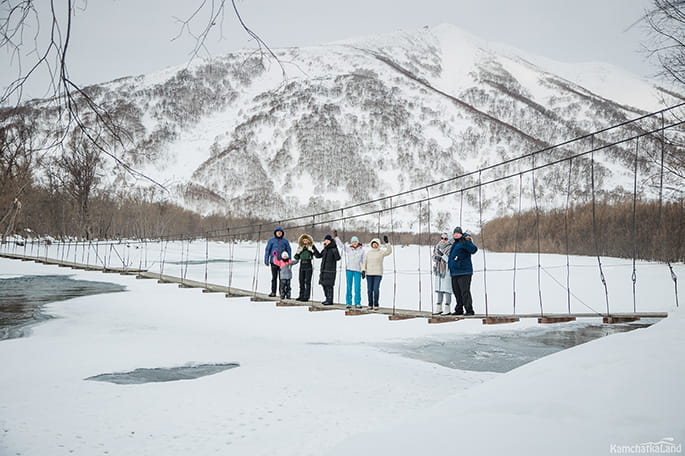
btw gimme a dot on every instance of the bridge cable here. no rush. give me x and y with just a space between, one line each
206 258
566 235
516 238
634 275
537 226
594 223
430 252
343 254
255 273
482 241
231 259
674 277
394 260
419 251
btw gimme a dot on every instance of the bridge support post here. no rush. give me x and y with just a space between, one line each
498 320
546 320
611 320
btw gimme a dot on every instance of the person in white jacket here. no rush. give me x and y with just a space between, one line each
354 260
372 269
443 279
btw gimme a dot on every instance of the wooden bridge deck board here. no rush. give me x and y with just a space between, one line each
393 314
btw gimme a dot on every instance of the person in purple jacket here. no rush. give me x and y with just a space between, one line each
274 249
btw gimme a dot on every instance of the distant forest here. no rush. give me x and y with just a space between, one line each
651 232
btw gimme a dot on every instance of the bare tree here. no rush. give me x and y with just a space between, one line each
17 161
666 22
79 165
20 36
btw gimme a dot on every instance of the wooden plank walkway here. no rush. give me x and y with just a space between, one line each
393 314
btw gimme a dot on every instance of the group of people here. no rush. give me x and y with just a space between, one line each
452 268
360 264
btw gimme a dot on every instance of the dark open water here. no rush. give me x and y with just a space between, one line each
506 350
22 299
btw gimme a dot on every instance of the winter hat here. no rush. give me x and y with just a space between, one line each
284 255
328 237
354 239
458 230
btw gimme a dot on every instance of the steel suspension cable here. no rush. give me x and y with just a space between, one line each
343 255
537 226
674 277
255 272
206 258
394 260
482 242
430 254
634 275
419 251
566 236
231 258
516 237
594 224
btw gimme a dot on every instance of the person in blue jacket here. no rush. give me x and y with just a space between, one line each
274 249
461 270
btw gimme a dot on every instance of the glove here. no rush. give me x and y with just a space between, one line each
335 233
385 239
363 274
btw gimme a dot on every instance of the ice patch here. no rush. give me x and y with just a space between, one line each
163 374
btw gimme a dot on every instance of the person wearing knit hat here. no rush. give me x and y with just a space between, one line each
274 248
354 258
461 270
285 264
329 257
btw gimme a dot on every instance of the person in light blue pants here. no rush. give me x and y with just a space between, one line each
354 258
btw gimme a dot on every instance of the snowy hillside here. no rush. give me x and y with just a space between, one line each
358 119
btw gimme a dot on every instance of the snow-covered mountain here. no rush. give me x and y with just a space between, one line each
358 119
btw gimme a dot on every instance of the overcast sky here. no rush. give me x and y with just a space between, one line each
115 38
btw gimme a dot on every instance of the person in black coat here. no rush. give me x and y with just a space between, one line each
329 258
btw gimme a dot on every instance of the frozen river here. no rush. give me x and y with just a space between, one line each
21 300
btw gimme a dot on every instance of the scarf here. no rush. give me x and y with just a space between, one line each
439 263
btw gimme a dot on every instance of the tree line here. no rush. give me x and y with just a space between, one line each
649 231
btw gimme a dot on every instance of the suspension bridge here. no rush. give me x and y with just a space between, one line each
572 169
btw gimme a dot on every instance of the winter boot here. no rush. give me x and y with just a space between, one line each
438 308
